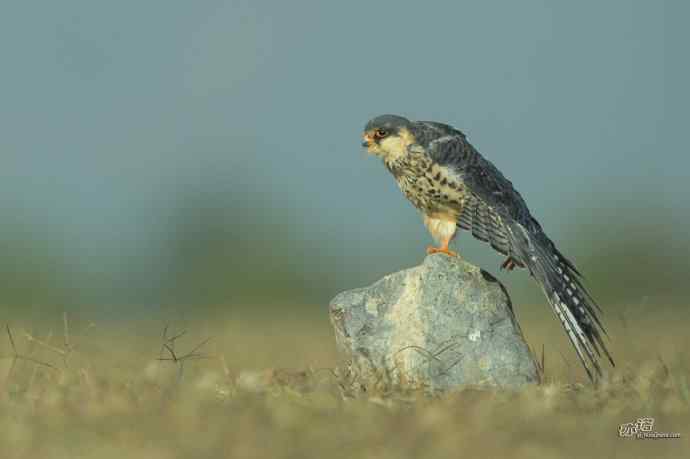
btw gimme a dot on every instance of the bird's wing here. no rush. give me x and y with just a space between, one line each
495 212
491 200
484 224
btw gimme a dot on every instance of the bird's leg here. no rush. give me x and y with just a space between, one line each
509 264
443 249
442 229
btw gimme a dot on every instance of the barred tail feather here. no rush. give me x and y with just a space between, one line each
561 284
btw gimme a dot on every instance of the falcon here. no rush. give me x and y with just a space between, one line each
454 187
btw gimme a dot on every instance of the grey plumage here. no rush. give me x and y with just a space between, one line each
488 206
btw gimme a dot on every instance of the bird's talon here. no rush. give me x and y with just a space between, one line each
431 250
509 264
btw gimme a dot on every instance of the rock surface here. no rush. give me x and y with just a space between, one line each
438 326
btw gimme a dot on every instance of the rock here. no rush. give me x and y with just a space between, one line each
438 326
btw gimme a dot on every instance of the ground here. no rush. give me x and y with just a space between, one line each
267 387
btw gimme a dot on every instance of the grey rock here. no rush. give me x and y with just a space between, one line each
442 325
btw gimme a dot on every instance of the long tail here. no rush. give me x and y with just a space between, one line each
561 283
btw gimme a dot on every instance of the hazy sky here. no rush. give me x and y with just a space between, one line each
108 107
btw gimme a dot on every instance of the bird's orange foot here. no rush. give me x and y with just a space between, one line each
431 249
510 264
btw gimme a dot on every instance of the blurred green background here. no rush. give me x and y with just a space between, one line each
185 159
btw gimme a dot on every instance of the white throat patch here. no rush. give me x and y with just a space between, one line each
395 147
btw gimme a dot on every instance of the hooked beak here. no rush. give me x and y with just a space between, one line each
367 140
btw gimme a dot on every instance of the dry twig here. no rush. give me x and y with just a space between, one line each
179 360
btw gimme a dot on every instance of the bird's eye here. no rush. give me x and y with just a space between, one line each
380 133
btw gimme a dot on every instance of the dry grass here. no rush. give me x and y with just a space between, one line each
88 391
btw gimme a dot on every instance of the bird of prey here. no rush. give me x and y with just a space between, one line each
454 187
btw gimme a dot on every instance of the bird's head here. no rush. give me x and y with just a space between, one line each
388 136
